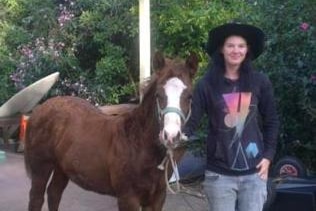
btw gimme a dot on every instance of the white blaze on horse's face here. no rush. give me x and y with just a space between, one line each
172 121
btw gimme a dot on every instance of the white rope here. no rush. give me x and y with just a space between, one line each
164 166
179 188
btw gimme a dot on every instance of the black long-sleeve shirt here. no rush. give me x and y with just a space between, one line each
242 126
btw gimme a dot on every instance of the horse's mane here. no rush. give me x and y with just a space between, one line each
148 91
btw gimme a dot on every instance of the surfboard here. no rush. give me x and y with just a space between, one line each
26 99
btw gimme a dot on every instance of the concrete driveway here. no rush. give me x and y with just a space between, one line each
15 185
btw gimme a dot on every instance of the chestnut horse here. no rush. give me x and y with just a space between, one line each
118 155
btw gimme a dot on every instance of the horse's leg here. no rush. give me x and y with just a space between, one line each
56 188
40 174
157 205
128 204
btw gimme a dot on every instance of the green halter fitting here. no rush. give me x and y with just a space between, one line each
162 112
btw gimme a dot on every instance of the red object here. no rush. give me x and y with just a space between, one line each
23 125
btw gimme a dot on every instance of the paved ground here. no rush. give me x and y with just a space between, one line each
14 187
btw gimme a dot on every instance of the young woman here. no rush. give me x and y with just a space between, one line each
242 120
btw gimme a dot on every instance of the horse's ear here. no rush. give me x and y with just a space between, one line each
192 63
158 61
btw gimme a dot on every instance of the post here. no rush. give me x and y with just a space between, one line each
144 41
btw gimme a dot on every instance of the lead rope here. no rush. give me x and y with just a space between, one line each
179 188
164 166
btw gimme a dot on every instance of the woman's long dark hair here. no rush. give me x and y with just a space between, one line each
217 68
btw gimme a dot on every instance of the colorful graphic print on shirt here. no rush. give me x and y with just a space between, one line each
238 104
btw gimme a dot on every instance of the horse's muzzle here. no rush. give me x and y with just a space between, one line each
170 141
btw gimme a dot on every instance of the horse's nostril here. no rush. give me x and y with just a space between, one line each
177 138
165 135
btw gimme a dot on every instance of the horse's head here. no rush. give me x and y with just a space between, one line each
173 95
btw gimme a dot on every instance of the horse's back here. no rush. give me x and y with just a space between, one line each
49 120
61 117
71 132
65 104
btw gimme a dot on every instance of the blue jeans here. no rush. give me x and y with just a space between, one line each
231 193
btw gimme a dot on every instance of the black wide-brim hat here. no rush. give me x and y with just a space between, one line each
253 36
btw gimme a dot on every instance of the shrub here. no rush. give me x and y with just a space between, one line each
290 62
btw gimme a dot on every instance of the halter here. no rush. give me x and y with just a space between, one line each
169 155
162 112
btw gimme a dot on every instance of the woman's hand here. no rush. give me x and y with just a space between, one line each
263 167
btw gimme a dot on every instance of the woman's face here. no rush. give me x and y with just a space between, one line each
235 49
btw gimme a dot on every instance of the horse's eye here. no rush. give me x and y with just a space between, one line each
189 96
158 96
161 94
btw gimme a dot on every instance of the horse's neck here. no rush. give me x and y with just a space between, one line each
145 116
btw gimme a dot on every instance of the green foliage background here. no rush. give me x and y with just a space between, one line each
290 62
94 45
